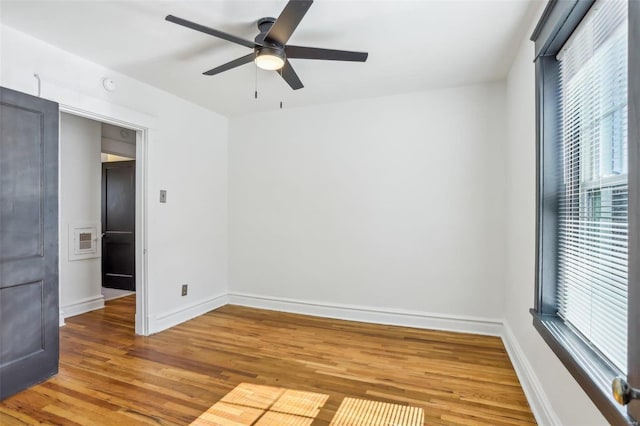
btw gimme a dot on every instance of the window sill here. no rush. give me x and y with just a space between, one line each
592 373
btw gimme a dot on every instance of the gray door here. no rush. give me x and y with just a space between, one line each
118 225
28 241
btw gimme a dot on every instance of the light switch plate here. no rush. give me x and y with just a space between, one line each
163 196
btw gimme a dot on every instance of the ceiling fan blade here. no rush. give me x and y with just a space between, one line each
301 52
229 65
288 20
211 31
290 76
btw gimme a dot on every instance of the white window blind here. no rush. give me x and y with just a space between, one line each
593 219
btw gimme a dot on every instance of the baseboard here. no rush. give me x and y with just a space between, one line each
60 318
167 320
538 399
464 324
82 306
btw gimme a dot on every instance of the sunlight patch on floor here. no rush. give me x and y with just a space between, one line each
365 412
257 405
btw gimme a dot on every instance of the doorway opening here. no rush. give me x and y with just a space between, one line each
102 214
118 211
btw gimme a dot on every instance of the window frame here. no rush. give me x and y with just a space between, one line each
559 20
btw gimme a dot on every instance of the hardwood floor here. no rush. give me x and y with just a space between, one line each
109 376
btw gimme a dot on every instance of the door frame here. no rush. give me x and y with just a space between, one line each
142 133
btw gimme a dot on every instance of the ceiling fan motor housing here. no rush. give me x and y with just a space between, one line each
264 24
268 47
271 51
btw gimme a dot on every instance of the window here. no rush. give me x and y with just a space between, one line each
588 256
592 247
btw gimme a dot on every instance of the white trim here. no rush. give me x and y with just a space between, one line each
60 318
88 107
538 400
83 305
406 318
142 286
142 135
169 319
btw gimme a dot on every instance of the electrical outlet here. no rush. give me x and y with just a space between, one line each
185 287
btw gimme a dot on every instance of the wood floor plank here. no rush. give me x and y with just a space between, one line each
110 376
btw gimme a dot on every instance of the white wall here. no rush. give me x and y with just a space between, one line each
118 133
187 156
80 203
569 405
118 141
112 146
390 203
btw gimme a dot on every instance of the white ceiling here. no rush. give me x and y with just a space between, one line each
413 45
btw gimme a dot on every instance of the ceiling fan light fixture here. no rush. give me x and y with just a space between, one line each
270 59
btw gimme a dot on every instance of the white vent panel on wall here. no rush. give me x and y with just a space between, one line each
84 241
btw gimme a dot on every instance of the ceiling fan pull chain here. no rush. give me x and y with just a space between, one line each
256 92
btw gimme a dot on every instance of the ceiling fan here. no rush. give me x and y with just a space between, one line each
270 48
